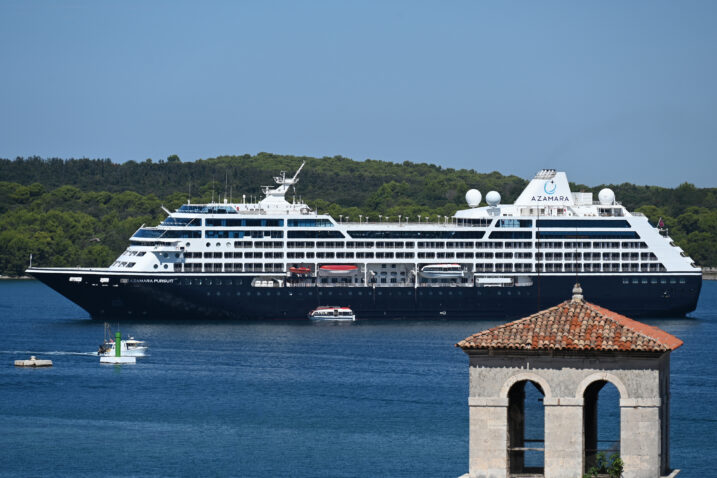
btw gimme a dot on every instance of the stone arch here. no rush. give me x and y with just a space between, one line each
602 376
523 376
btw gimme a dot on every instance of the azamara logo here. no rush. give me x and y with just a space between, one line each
541 198
549 187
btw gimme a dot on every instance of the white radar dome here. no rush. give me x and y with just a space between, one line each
606 197
473 197
493 198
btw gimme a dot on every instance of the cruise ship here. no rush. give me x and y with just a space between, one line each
279 259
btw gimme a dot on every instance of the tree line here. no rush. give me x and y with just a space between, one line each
70 212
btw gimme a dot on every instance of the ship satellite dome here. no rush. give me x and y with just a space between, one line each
473 197
493 198
606 197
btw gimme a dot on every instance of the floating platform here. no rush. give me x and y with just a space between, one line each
104 359
33 362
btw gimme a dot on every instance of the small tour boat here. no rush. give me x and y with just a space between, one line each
338 269
333 313
442 271
130 347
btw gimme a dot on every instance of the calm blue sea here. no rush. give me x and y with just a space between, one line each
370 399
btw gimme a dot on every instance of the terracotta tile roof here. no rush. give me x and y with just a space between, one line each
574 325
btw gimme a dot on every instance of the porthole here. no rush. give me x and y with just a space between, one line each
218 244
209 244
229 244
187 244
156 266
166 266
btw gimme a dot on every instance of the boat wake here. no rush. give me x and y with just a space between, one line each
52 352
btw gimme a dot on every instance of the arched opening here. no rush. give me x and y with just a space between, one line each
601 425
526 429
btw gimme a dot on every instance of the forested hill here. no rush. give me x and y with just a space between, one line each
82 211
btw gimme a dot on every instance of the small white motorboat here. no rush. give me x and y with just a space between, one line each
333 313
130 347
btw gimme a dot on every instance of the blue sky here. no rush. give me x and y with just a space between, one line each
609 91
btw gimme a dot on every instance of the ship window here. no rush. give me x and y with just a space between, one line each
148 233
515 223
156 266
315 234
416 234
511 235
310 223
215 222
171 234
583 223
588 235
182 221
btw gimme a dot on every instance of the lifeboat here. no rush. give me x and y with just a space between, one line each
332 313
338 269
442 271
300 270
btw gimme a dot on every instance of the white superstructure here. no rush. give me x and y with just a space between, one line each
548 230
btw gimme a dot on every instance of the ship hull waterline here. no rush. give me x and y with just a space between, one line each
232 297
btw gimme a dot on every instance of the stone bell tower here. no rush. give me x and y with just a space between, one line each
569 352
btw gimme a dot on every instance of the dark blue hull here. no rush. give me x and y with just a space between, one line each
220 296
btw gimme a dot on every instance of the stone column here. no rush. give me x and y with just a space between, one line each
640 437
563 437
488 447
